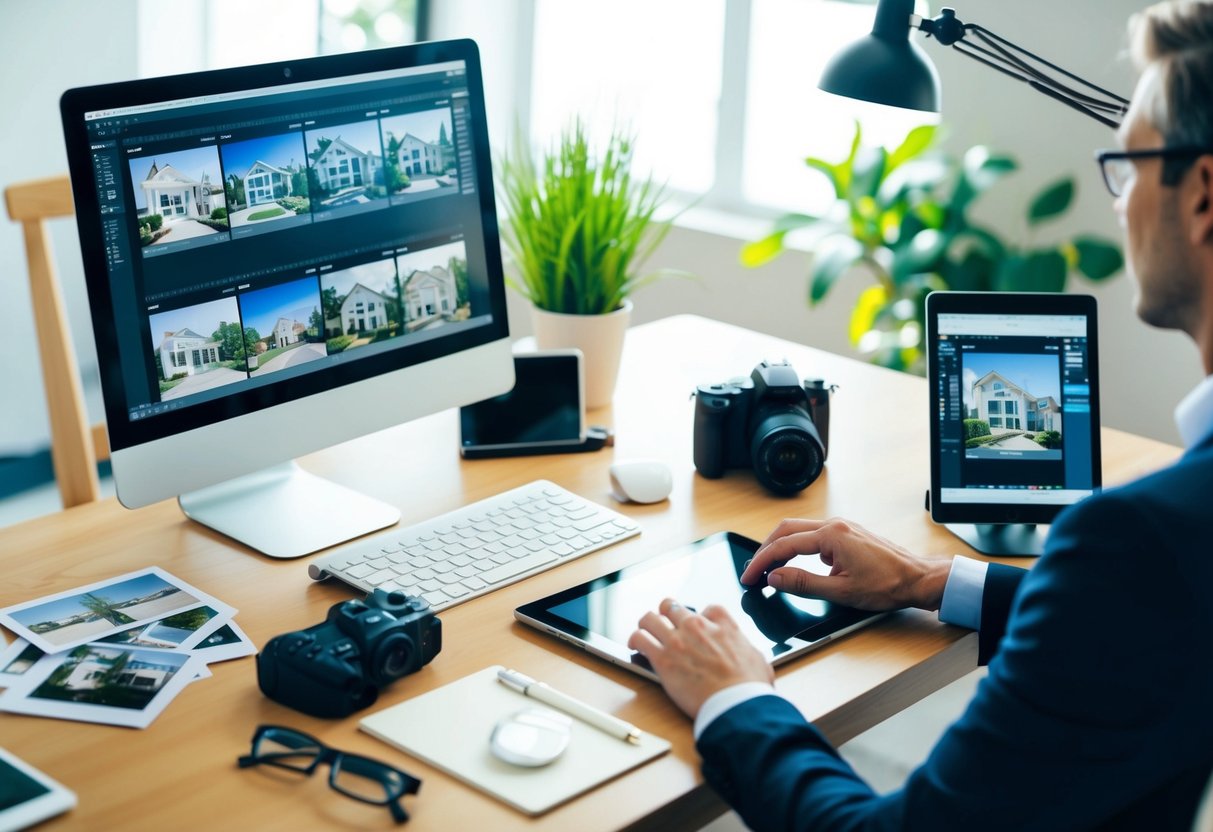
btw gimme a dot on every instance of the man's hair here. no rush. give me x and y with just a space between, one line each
1177 37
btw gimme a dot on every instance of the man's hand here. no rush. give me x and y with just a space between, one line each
866 571
697 655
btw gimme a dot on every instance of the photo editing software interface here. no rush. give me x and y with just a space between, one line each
273 234
1014 409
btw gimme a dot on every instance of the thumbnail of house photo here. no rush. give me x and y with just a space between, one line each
265 183
419 155
1012 406
198 348
179 197
115 677
361 305
345 166
282 326
435 283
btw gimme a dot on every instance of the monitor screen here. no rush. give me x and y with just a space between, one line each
1016 414
268 236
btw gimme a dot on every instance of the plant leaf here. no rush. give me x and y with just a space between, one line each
863 317
831 172
1040 271
833 257
1052 201
762 251
1098 259
867 172
915 143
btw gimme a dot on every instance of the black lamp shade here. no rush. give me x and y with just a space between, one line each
885 70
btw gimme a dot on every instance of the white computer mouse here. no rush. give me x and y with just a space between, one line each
641 481
531 738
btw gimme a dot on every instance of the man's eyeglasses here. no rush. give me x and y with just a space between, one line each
1118 165
358 777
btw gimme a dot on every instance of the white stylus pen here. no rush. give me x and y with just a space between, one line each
562 702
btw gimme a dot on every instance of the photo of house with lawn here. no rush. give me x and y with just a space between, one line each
361 305
419 154
435 286
345 165
283 325
178 195
198 348
1012 404
111 676
266 182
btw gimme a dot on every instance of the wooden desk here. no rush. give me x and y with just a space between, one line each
181 772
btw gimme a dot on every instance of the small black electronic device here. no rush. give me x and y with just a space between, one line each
27 796
337 667
543 414
600 615
769 422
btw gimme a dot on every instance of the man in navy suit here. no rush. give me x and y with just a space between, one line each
1097 711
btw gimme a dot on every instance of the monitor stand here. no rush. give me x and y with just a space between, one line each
1002 539
285 512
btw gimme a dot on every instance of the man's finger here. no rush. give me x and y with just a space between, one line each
644 644
719 615
674 611
657 625
776 554
792 525
807 585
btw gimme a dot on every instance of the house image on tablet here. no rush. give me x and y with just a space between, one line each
185 351
1008 407
176 196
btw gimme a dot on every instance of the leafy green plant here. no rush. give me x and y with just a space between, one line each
579 225
902 216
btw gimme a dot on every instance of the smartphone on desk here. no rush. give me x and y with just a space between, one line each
543 414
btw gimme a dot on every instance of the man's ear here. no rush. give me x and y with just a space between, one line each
1201 201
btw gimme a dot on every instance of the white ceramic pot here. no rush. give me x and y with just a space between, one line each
600 339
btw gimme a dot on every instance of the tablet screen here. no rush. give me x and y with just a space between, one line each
543 408
17 787
28 796
602 614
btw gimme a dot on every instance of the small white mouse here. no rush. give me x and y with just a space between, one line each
531 738
641 481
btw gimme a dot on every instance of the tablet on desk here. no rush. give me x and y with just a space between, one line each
28 796
601 614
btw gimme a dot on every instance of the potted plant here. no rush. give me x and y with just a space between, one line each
579 226
902 217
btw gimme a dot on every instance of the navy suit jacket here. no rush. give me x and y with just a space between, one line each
1097 712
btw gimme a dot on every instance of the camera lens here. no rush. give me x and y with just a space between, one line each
393 658
786 452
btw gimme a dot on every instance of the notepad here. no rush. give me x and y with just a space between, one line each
449 728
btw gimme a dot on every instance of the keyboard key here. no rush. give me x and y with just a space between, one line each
360 570
519 566
473 583
455 590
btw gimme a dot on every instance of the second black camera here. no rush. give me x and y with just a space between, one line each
770 422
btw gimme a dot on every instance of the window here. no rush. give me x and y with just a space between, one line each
996 407
1043 404
995 421
998 385
1012 407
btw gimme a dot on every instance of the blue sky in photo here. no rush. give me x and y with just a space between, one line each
424 125
427 258
363 135
278 151
194 163
1039 375
203 319
293 301
379 276
114 593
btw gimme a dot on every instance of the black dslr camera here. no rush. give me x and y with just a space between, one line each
768 422
338 666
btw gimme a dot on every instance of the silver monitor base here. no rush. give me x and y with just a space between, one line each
1002 539
285 512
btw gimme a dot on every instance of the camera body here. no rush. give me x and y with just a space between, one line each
337 667
770 423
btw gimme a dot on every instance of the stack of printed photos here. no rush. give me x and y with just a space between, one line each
114 652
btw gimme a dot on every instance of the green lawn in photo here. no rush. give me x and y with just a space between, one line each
266 214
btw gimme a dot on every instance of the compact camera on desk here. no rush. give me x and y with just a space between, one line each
769 422
337 667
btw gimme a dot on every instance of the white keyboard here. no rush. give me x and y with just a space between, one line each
473 550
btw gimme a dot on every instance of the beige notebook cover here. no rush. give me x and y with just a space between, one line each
449 728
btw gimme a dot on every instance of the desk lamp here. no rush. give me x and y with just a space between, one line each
886 67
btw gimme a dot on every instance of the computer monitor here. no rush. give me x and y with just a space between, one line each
1014 413
280 258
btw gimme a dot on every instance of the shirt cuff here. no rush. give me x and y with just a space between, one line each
962 593
724 700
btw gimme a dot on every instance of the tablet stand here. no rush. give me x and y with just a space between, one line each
1002 539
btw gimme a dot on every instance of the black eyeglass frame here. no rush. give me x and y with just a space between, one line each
334 758
1171 174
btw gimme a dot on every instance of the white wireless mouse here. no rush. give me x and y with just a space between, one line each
641 481
531 738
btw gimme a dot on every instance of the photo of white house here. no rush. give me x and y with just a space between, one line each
420 154
345 164
116 677
179 196
431 279
282 325
1012 403
266 182
361 305
193 349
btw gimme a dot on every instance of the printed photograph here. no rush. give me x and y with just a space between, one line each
345 166
198 348
435 284
265 183
176 632
362 305
227 642
179 197
419 155
109 684
94 612
283 326
16 659
1012 406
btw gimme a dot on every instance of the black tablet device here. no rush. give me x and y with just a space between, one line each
1014 405
600 615
543 413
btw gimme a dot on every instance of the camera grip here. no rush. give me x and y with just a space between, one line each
711 411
